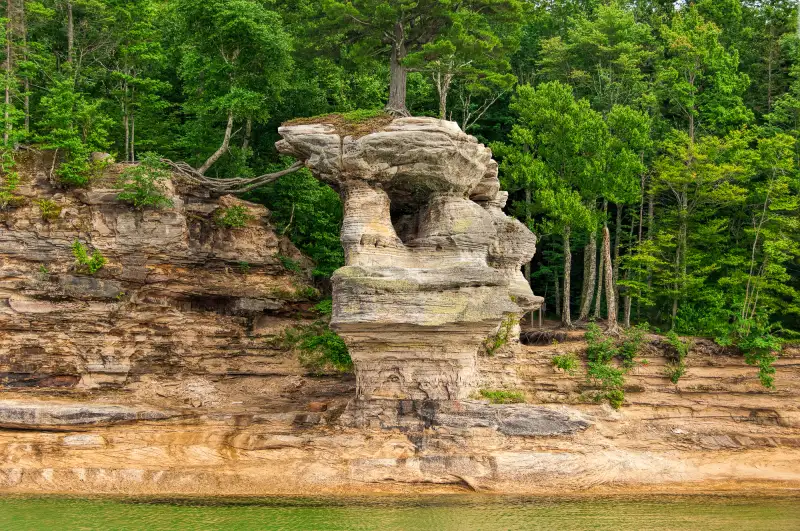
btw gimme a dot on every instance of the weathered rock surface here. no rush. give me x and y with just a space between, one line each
179 295
59 415
462 416
432 262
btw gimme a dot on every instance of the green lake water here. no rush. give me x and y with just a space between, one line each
434 512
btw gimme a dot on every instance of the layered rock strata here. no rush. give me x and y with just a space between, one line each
432 262
179 295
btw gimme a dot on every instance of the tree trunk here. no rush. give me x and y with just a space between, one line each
611 298
27 84
558 295
589 275
599 292
617 238
126 125
133 137
8 66
527 224
248 132
222 149
398 74
566 318
627 274
70 33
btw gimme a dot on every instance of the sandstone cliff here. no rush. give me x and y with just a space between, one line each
164 373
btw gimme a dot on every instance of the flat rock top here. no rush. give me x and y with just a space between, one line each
408 154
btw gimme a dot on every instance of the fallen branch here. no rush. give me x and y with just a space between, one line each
236 185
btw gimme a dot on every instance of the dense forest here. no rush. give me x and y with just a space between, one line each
653 146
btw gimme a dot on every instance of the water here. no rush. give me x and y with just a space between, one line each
432 512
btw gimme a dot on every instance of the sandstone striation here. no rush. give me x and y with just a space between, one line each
432 262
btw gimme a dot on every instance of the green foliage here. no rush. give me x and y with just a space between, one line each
290 264
49 209
74 126
677 367
244 267
502 396
566 362
86 263
233 217
9 179
631 344
601 350
143 185
500 338
761 347
319 348
310 214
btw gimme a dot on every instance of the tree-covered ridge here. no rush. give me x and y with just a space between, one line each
653 145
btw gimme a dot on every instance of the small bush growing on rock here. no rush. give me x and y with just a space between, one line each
290 264
632 340
244 267
143 185
503 397
87 263
49 209
495 342
319 348
234 217
677 367
761 347
601 351
567 362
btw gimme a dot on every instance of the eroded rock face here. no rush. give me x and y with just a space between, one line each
179 294
432 262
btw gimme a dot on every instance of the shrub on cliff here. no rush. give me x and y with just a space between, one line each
756 338
84 262
143 185
234 217
601 351
319 349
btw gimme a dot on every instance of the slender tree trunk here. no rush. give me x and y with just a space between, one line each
70 33
617 238
527 224
566 317
442 82
611 299
222 149
133 137
627 274
398 74
126 125
248 132
558 295
26 83
8 67
589 274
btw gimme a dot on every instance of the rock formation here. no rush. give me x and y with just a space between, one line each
432 263
178 295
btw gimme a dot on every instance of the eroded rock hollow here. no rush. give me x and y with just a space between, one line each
432 263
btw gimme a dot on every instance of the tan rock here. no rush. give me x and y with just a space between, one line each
432 262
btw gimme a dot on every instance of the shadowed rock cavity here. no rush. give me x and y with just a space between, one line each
432 262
